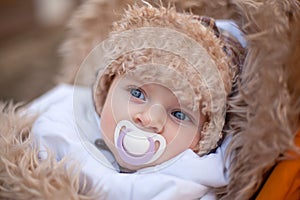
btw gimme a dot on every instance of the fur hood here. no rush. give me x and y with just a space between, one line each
265 113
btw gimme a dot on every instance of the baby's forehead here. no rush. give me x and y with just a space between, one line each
169 78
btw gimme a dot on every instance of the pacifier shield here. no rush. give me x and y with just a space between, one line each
135 146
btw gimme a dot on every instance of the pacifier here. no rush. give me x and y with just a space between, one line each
135 146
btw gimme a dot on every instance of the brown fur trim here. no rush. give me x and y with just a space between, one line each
271 109
22 175
219 9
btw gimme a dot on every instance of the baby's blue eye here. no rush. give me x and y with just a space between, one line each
180 115
137 93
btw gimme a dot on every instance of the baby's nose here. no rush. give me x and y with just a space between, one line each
154 118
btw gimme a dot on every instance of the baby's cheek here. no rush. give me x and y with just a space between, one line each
195 141
185 138
108 124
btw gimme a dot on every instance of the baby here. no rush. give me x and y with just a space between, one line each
151 125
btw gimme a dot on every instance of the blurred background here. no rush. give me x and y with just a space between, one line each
30 34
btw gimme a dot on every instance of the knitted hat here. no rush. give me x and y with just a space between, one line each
185 48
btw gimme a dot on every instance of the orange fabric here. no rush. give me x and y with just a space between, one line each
284 182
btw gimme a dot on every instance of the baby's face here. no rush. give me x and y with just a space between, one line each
150 107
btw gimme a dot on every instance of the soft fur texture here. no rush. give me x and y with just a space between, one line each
265 113
22 175
267 128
